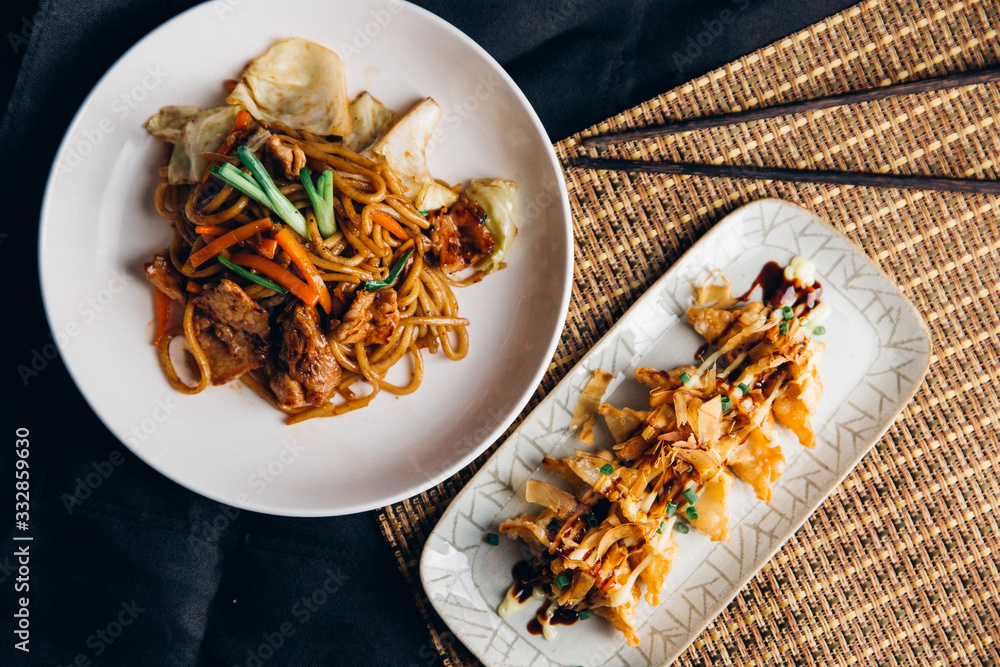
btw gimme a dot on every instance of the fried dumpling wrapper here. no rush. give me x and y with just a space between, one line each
297 83
792 412
719 326
654 575
531 529
758 461
622 423
588 468
588 404
623 617
716 291
557 500
562 469
713 507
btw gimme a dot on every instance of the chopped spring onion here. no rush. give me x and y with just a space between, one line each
276 200
745 389
726 402
321 198
584 614
690 496
591 519
562 581
671 508
787 313
230 175
783 327
691 512
607 469
389 279
423 211
685 377
659 531
492 538
682 528
819 331
240 271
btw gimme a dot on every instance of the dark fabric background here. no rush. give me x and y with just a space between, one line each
189 581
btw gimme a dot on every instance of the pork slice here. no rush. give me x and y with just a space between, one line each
291 157
232 330
161 272
288 392
371 319
459 236
306 372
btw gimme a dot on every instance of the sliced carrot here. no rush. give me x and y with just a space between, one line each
162 314
266 247
211 230
228 239
193 287
301 261
279 274
242 119
390 224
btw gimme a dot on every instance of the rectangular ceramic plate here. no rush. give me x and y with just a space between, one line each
878 351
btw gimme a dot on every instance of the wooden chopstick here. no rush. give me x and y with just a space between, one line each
902 181
954 80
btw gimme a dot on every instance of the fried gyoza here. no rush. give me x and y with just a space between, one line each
674 460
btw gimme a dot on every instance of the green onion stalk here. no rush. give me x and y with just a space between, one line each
259 186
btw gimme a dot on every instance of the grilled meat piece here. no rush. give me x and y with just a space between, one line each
161 272
459 236
306 372
371 319
232 330
291 157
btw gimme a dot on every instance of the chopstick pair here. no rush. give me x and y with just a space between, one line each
909 182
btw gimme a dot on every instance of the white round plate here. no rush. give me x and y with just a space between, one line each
98 226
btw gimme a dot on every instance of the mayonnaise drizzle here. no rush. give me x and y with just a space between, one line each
621 595
511 605
801 269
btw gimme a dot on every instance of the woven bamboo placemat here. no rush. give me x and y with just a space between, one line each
899 565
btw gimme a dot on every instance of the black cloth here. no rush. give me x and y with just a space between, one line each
144 572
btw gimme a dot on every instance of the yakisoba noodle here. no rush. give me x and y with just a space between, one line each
315 321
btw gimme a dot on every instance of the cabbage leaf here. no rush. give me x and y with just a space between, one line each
498 199
372 120
203 132
168 122
297 83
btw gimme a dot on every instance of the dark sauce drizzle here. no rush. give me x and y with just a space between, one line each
564 616
777 291
561 616
525 579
